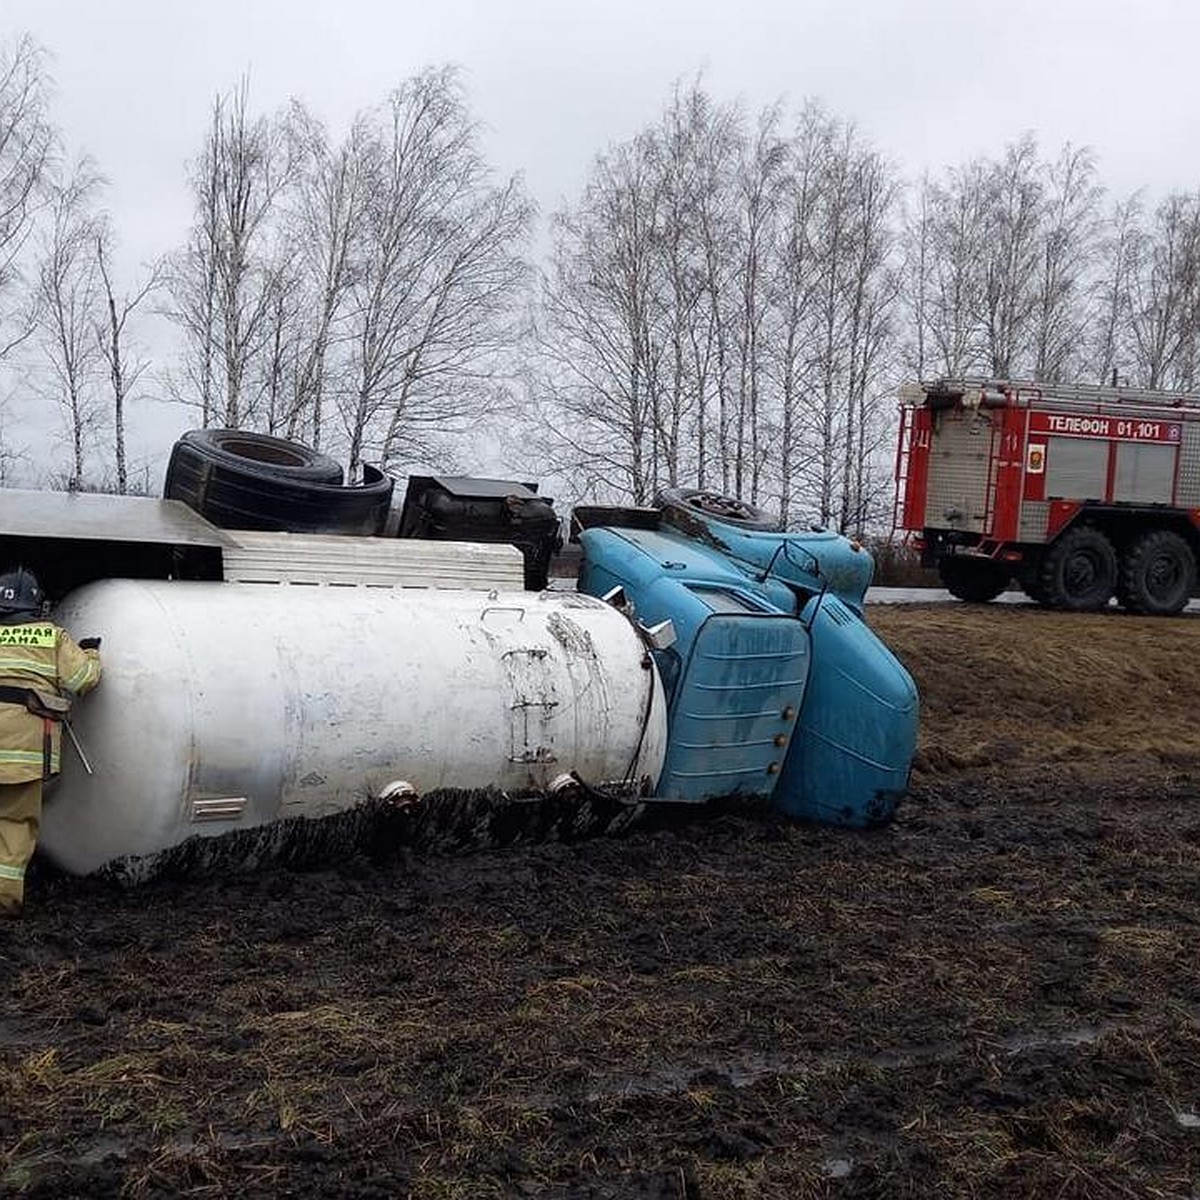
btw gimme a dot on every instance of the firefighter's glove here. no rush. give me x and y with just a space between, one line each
89 643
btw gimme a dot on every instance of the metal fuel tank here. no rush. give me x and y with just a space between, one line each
227 705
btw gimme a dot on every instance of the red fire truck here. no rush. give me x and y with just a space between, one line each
1079 493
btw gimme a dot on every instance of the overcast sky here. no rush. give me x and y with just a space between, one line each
932 82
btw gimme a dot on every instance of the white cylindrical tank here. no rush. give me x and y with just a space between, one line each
225 705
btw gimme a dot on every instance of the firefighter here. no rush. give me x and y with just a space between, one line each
41 669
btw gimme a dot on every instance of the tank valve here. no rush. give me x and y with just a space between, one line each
399 792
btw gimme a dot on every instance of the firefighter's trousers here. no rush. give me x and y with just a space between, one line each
20 813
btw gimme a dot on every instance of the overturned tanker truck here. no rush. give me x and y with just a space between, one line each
282 648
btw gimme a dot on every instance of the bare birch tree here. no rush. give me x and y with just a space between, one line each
438 263
855 290
192 282
720 155
221 283
917 243
68 298
798 268
872 289
956 212
1161 287
27 149
601 366
1068 248
694 150
125 366
1000 274
1009 256
1108 343
760 183
711 259
374 280
328 211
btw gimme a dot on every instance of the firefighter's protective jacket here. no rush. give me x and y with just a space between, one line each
41 656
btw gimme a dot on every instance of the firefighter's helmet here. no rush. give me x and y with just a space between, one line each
21 596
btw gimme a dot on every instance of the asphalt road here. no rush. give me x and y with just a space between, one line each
892 595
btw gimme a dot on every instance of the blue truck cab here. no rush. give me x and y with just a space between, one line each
776 687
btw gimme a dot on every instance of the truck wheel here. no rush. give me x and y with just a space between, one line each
693 503
1079 571
974 580
240 480
1158 573
257 453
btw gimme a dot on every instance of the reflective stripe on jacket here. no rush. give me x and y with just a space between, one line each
40 655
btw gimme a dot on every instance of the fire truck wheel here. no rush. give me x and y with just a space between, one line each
1079 571
1158 573
974 580
690 503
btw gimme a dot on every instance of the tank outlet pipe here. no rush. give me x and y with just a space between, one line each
399 792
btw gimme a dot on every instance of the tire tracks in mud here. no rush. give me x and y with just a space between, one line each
672 1079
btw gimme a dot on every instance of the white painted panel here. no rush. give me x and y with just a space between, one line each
305 558
958 472
1076 468
1145 472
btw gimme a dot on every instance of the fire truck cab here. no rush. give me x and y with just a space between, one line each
1079 493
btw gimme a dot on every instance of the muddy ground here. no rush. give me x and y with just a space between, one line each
996 996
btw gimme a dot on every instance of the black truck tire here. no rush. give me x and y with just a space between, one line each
249 481
1079 570
242 451
693 504
975 580
1157 574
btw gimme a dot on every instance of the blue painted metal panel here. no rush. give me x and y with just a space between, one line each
735 707
850 760
846 759
817 559
644 559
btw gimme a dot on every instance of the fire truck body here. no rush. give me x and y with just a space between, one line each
1080 493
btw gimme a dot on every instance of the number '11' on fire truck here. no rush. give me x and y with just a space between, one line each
1079 493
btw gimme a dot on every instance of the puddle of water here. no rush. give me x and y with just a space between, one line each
1084 1035
752 1070
899 1056
109 1147
838 1168
679 1077
19 1033
101 1149
675 1078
